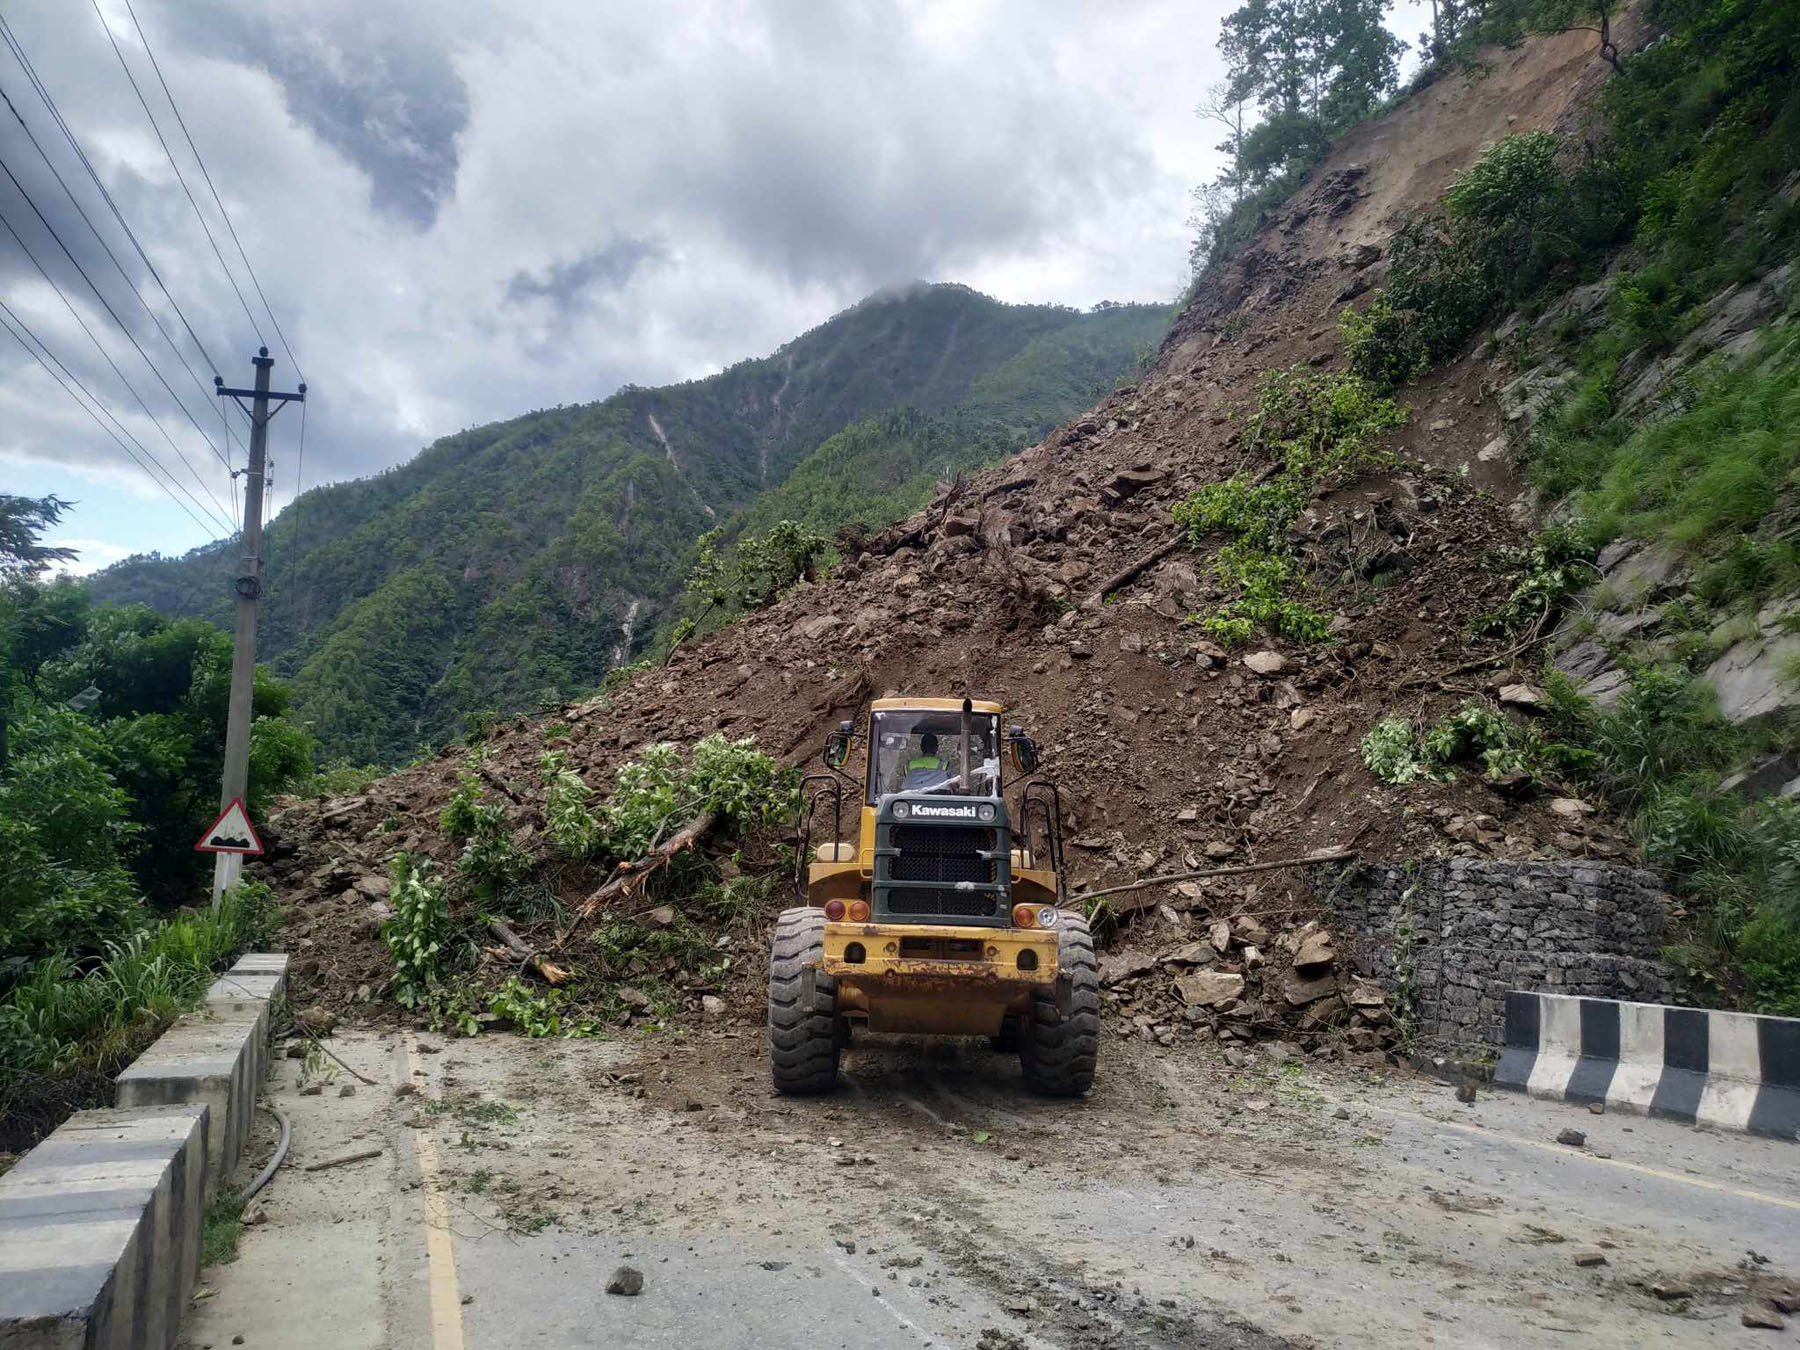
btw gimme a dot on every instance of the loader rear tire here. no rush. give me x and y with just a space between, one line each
804 1039
1058 1053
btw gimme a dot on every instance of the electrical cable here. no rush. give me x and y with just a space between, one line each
43 92
281 1152
124 276
76 315
181 122
6 314
179 177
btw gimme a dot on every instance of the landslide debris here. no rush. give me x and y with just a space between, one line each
1058 583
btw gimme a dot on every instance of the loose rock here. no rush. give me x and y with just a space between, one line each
627 1281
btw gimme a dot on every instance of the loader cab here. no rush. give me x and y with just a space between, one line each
945 832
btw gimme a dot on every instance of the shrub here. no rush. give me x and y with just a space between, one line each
1508 224
535 1012
1390 749
1319 429
418 935
1474 734
573 829
458 819
1542 574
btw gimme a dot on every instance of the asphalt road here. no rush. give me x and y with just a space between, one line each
931 1202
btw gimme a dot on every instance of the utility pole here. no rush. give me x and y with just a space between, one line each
236 778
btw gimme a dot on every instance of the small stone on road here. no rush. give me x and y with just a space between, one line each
627 1281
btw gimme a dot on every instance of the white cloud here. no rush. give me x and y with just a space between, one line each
95 554
461 211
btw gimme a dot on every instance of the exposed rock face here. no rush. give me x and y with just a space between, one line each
1481 928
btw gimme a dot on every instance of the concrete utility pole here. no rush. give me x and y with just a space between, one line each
236 778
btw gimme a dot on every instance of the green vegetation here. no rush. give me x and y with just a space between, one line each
1543 575
510 567
112 723
535 1011
752 576
1475 735
419 934
1508 224
67 1025
658 794
223 1230
438 927
1297 75
1659 754
1319 430
1659 757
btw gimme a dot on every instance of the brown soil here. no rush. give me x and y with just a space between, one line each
1167 752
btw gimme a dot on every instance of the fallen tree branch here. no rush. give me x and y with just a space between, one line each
364 1156
1330 855
629 876
1130 574
551 974
494 782
326 1049
1467 666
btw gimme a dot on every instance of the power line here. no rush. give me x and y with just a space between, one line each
123 276
108 357
130 336
179 177
8 314
226 215
43 93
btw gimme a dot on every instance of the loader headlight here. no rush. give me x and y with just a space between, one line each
1047 917
986 811
901 810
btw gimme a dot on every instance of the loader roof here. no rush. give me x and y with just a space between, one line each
935 705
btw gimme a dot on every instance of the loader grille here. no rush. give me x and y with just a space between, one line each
945 854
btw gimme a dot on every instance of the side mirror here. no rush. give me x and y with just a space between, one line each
1024 752
837 749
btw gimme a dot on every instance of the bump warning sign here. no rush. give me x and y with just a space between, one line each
231 832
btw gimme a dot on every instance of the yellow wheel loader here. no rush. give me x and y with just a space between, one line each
942 917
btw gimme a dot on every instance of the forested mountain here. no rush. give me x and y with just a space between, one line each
511 565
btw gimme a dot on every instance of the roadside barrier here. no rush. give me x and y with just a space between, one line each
100 1224
1733 1071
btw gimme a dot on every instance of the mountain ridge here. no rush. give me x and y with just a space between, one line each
493 572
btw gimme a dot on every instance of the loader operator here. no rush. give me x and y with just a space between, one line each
925 770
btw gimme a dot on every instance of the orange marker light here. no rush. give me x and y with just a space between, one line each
859 911
1024 916
834 910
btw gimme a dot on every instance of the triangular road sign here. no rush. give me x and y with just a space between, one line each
232 832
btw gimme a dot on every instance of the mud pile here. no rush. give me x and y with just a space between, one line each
1057 584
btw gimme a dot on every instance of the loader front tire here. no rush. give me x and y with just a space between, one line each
804 1039
1058 1053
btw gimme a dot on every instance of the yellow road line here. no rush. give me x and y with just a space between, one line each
440 1257
1563 1151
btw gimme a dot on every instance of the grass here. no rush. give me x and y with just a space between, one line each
66 1027
1704 478
474 1110
224 1227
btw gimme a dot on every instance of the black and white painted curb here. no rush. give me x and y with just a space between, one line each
1734 1071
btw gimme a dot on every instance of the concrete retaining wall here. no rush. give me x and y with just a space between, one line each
100 1224
100 1230
1465 931
217 1055
1736 1071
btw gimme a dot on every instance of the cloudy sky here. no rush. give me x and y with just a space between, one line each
459 211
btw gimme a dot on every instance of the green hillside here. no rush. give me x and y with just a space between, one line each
510 565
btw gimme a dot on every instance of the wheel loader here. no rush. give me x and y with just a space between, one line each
943 916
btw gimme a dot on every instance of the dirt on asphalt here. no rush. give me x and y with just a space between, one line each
1185 1203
